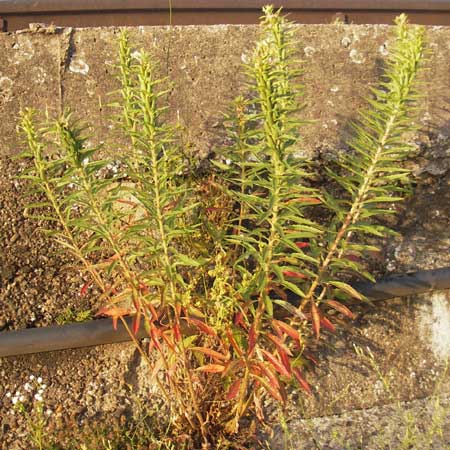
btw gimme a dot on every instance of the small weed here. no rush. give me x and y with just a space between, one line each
29 401
69 315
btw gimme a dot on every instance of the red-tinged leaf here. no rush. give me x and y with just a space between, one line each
153 312
285 361
154 334
287 329
259 410
126 202
213 209
292 274
277 328
353 258
209 352
270 375
113 258
232 367
325 323
277 365
279 344
202 326
170 205
84 289
143 288
340 308
234 389
312 200
136 321
311 358
169 342
233 342
274 392
279 291
303 383
274 381
302 244
315 315
211 368
239 320
256 370
177 332
283 393
113 311
251 339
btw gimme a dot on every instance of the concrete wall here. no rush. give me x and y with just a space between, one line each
75 68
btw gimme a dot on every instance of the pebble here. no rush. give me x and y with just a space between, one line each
7 272
346 41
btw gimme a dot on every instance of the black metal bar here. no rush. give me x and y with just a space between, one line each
98 332
24 6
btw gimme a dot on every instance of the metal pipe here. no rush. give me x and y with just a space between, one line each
72 335
406 284
98 332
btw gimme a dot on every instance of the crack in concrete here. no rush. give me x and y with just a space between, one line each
66 50
131 376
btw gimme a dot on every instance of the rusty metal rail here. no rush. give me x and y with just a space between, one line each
18 14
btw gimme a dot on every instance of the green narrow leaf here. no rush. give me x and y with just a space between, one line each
347 289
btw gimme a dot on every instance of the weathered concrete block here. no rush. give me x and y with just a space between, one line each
29 76
76 69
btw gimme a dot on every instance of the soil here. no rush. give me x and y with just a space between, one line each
32 266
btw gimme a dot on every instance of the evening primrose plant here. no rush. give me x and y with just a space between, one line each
230 272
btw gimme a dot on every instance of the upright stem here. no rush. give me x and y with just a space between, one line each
41 169
148 100
273 142
355 211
